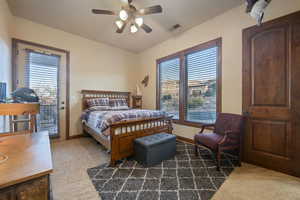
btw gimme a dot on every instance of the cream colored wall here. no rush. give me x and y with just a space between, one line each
6 22
93 65
228 26
6 27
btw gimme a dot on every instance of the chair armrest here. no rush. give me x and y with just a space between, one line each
203 126
227 135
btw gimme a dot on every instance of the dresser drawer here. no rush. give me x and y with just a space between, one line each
36 189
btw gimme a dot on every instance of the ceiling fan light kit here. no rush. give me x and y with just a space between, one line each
130 15
119 24
123 15
133 28
139 21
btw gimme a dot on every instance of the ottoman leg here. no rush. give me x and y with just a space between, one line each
112 163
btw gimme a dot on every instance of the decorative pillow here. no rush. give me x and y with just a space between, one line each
120 108
118 102
98 102
99 108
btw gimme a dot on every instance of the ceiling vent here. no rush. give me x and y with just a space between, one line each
175 27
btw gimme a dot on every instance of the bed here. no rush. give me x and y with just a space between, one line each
116 129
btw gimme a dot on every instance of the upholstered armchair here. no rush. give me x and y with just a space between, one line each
227 135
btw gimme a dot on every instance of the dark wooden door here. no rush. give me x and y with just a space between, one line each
271 94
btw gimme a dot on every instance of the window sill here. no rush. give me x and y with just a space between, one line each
190 124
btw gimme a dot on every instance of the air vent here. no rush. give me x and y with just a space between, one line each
175 27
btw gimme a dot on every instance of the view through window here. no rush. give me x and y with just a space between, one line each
41 75
169 81
197 72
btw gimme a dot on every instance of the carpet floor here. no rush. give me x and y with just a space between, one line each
184 177
72 158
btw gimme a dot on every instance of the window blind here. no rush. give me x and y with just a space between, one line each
201 85
41 75
169 73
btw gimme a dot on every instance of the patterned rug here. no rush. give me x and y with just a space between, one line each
183 177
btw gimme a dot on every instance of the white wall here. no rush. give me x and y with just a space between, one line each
6 22
93 65
99 66
228 26
6 26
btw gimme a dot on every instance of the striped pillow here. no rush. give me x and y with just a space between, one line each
98 102
118 102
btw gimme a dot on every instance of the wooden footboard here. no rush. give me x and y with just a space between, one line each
124 133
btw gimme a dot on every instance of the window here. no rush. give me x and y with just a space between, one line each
189 84
169 81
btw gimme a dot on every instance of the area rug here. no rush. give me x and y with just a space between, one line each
185 177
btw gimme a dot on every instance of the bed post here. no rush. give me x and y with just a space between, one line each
170 128
114 147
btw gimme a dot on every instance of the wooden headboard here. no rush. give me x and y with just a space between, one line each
92 94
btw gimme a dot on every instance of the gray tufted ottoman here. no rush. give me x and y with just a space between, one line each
153 149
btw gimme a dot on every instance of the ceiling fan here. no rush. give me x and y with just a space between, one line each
129 14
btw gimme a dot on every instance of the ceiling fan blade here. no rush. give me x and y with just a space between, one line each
146 28
103 12
120 30
150 10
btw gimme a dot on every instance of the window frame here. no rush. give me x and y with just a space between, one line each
183 80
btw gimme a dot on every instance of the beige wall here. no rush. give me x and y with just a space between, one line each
6 22
93 65
6 26
99 66
228 26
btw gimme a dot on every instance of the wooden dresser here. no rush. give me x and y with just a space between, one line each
25 174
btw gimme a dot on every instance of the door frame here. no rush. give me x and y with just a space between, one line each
14 54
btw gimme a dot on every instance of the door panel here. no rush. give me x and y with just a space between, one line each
269 67
296 91
271 137
270 93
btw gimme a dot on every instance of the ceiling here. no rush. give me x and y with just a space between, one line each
74 16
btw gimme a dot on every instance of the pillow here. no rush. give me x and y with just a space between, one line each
120 108
97 102
99 108
118 102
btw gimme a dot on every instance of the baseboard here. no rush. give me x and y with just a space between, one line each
77 136
184 139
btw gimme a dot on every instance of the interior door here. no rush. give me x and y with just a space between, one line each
44 70
271 94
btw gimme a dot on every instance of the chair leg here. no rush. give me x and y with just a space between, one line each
240 157
196 150
218 158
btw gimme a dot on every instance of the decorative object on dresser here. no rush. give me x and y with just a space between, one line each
16 109
24 95
153 149
119 136
137 102
25 175
227 135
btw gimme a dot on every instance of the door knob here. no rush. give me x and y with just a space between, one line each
62 108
